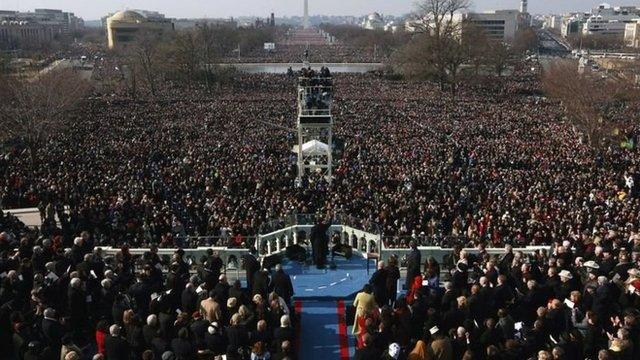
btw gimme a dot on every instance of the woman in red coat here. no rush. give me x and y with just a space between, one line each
101 333
415 286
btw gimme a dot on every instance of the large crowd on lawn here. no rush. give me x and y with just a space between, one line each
338 53
498 164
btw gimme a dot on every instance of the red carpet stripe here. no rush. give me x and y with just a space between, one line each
298 311
342 331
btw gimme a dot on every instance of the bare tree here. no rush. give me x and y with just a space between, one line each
148 55
438 15
498 54
589 100
32 109
437 43
477 45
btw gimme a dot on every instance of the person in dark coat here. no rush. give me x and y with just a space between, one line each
378 282
281 284
222 289
198 327
237 339
140 292
393 275
189 299
236 291
116 347
77 299
52 330
214 341
319 243
284 333
261 283
413 264
251 266
182 347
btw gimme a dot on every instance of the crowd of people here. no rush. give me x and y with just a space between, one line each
336 53
497 164
314 89
574 302
82 304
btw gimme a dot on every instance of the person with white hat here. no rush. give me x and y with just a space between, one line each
567 285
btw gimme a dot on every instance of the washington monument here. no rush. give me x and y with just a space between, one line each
305 23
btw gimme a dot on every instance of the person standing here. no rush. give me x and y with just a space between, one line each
319 243
393 275
413 264
251 266
365 305
281 284
378 282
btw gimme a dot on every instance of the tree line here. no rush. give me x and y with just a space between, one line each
190 56
442 45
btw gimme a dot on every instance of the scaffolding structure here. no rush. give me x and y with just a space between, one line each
315 127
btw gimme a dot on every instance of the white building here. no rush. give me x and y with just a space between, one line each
373 21
608 20
632 34
66 22
499 25
553 22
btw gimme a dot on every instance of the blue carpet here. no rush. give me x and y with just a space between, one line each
319 331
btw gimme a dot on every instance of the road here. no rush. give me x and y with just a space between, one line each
552 44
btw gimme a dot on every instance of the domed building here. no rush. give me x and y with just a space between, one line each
124 27
373 21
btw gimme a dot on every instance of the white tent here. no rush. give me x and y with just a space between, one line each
313 147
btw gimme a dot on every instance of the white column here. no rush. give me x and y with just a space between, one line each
305 23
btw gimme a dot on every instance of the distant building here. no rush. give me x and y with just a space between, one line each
632 34
499 25
608 20
193 23
553 22
151 15
373 21
37 27
22 34
124 27
572 23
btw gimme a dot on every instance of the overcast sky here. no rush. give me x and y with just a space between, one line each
94 9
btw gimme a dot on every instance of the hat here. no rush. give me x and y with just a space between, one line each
566 274
462 266
394 350
168 355
212 329
591 265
